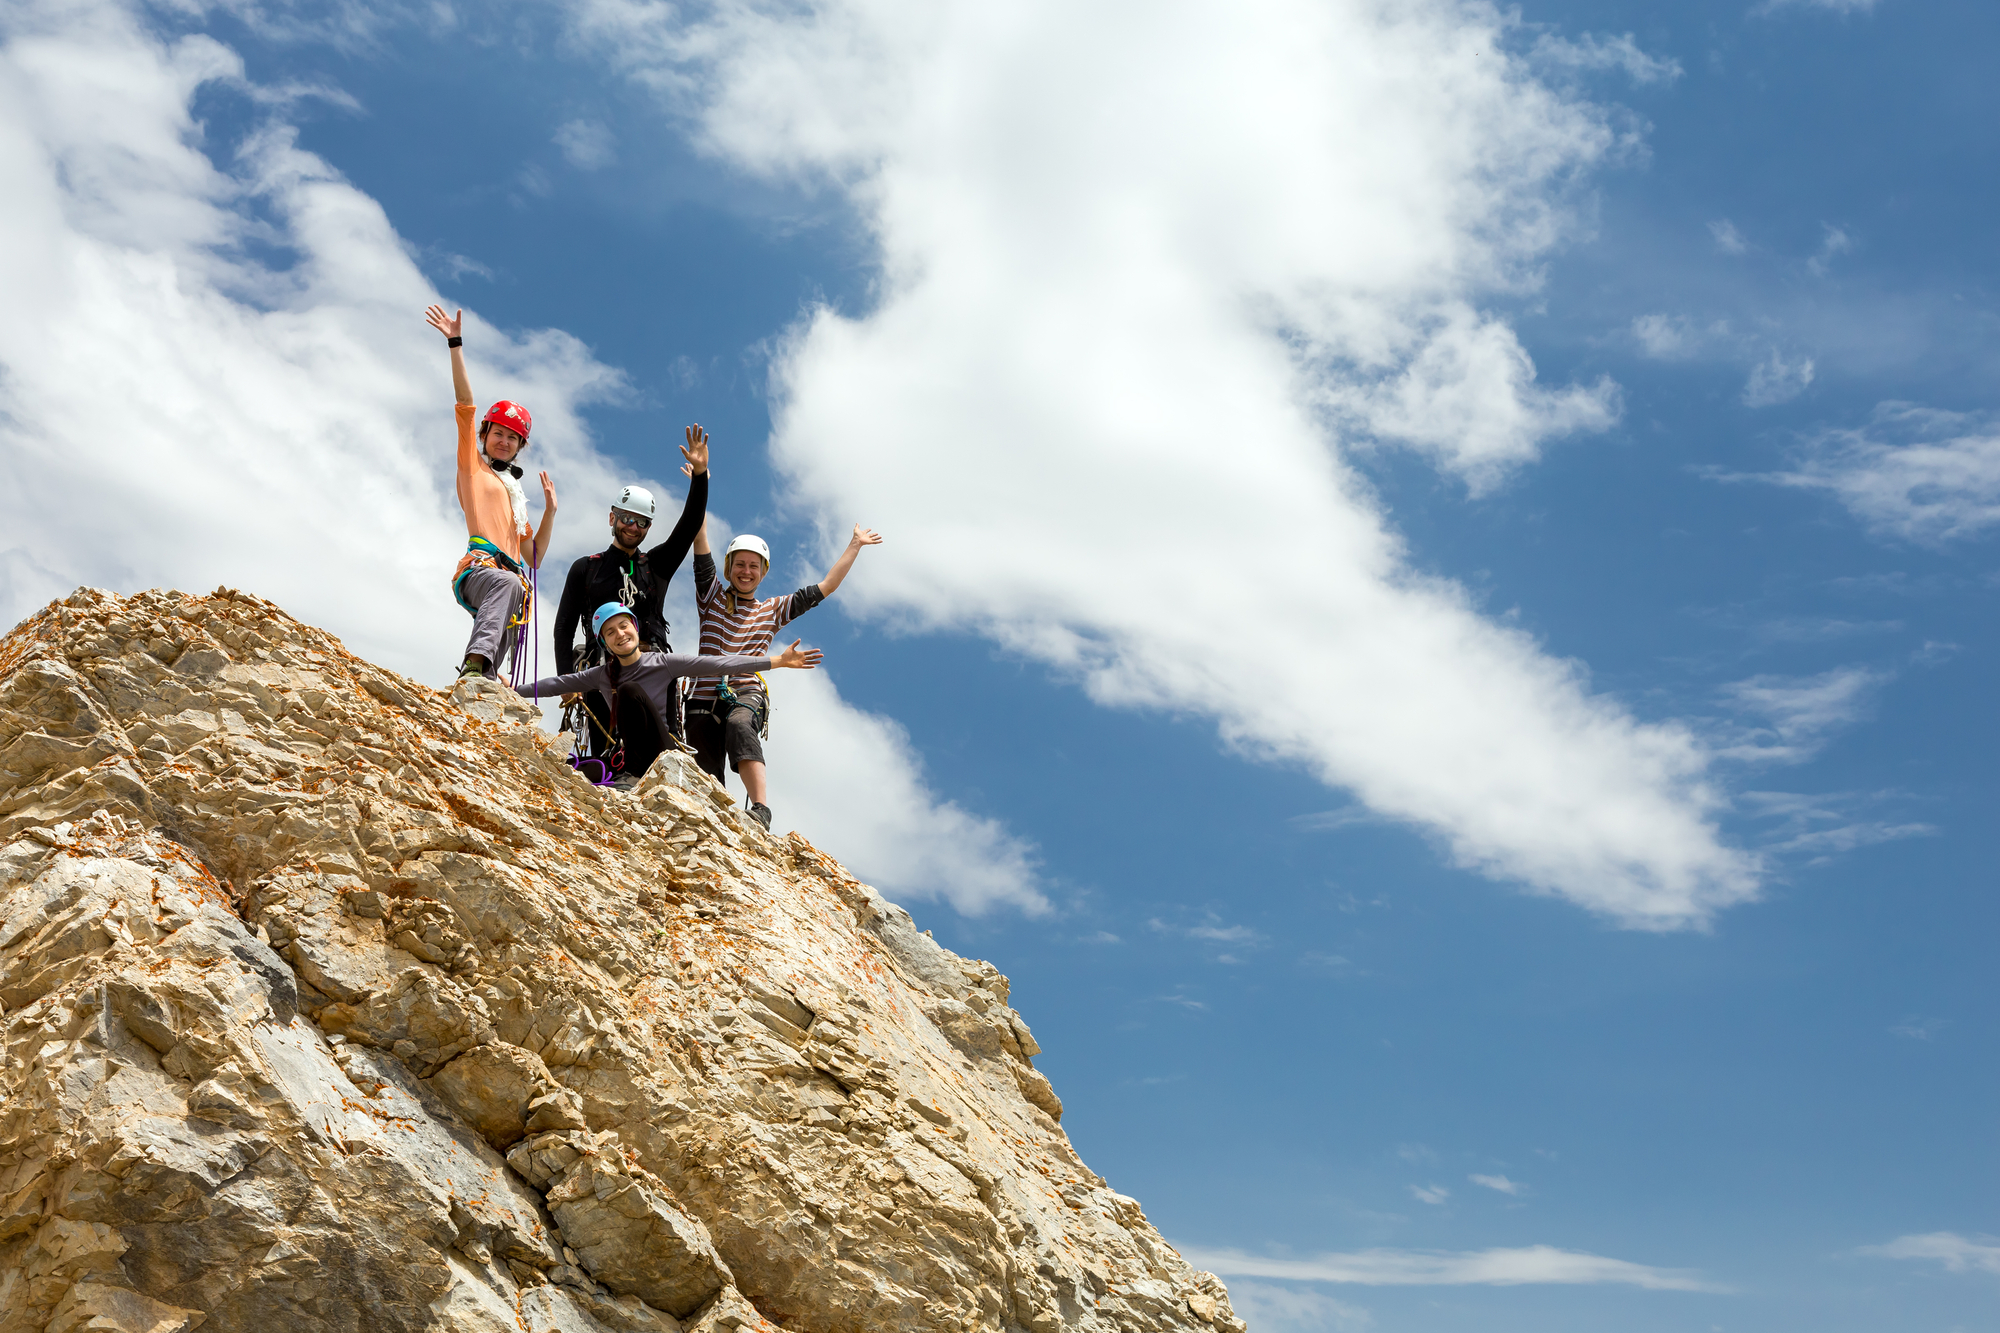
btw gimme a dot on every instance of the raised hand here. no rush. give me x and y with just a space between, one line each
695 451
864 537
548 495
795 656
450 327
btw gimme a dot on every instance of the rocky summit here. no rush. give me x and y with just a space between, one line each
330 1001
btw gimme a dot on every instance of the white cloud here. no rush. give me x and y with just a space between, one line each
1777 380
586 143
851 781
1332 963
1835 242
1273 1309
1816 828
179 414
1912 472
1431 1194
1135 319
1822 845
1325 821
1224 934
1591 52
1799 712
1529 1265
1774 377
1500 1183
1767 7
1666 337
1918 1029
1727 238
1768 629
1955 1252
1210 930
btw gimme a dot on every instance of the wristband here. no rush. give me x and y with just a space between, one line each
454 342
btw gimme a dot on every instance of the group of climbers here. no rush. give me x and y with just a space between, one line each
625 682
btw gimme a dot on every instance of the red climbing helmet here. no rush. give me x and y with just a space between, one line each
511 415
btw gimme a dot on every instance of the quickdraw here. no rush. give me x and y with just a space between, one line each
602 771
526 625
726 696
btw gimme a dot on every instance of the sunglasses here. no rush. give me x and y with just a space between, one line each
639 521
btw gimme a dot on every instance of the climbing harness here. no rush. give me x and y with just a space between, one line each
480 554
726 696
523 625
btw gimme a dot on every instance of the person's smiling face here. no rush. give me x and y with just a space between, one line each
502 444
621 636
746 571
628 530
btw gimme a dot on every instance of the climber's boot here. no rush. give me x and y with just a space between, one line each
761 813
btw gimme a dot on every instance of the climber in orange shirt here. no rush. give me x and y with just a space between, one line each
490 581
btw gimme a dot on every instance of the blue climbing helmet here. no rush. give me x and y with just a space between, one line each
605 614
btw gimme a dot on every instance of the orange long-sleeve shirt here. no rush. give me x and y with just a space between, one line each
489 513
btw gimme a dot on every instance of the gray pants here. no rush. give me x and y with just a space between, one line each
498 595
735 735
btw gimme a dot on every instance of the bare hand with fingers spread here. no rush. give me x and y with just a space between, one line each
695 451
805 659
451 327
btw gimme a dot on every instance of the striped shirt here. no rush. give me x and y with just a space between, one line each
732 624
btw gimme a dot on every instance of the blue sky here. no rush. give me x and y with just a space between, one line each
1428 812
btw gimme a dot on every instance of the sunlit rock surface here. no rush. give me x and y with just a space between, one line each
329 1001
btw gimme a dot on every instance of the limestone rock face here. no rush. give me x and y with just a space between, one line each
328 1001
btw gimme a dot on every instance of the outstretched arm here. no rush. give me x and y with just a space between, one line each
732 664
666 558
453 328
862 537
701 538
574 682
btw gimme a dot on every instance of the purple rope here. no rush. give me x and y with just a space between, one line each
526 632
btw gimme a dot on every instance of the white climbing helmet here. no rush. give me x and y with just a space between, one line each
746 542
635 500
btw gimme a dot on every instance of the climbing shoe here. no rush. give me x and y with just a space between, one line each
475 665
761 813
625 782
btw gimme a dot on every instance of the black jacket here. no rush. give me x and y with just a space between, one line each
597 579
